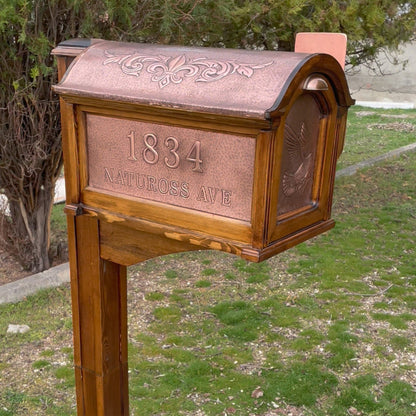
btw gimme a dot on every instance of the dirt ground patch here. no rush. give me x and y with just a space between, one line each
396 126
10 269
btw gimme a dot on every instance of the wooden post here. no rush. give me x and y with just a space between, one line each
99 309
98 289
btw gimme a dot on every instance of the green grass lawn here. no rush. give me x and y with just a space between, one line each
373 132
326 328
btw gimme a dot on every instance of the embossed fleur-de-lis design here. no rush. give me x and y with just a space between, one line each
173 69
302 160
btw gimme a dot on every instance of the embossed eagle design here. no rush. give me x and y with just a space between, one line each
302 160
167 70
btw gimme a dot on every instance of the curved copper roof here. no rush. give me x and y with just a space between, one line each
223 81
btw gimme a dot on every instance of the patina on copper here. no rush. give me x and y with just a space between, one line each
190 168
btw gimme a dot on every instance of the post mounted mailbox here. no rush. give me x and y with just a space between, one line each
222 149
171 149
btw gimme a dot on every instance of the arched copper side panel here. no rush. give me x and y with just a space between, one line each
301 138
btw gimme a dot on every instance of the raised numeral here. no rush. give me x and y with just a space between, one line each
173 151
150 150
131 136
194 156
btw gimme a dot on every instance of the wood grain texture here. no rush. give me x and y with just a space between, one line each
100 326
210 122
169 215
128 240
259 255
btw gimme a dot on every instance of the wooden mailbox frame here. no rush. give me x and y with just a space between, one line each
108 232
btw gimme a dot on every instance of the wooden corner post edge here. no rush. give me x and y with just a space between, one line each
99 297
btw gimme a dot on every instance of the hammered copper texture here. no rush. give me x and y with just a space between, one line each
225 81
214 176
299 155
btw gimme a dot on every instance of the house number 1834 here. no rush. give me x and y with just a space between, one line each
151 151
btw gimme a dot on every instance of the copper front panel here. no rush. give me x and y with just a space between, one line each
195 169
299 155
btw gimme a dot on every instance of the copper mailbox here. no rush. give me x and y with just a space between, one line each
202 148
171 149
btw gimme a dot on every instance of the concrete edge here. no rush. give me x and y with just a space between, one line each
350 170
18 290
386 104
